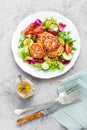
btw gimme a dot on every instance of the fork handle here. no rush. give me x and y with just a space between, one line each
29 117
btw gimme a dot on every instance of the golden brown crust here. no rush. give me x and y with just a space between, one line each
37 51
48 40
56 52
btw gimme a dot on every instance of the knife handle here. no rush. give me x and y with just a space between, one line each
29 117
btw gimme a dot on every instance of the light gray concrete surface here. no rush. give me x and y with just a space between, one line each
12 12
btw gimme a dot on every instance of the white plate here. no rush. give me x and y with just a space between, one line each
28 68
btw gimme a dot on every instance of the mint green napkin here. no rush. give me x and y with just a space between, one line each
74 117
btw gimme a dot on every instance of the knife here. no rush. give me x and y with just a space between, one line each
41 113
36 115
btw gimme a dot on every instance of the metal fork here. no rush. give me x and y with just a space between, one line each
64 98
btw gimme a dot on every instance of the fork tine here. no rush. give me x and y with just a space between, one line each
72 89
68 100
74 92
72 98
72 95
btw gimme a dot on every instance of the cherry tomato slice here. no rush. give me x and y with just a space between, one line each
28 29
68 48
38 30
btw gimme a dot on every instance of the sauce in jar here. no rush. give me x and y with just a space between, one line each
25 89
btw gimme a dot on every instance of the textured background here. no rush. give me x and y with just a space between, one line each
12 12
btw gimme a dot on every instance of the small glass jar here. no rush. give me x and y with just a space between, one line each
25 89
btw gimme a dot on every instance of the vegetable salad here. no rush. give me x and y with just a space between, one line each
48 61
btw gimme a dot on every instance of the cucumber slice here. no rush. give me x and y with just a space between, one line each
45 66
54 27
61 66
61 41
67 56
24 49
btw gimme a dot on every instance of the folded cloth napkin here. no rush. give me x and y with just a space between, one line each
74 117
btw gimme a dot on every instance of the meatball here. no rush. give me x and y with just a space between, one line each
48 40
37 51
56 52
